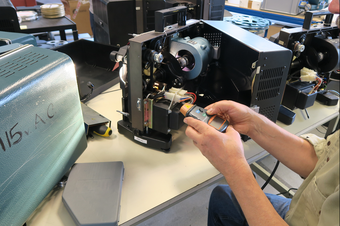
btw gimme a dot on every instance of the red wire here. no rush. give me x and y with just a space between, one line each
316 87
195 97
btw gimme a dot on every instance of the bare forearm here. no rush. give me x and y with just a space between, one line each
293 151
254 203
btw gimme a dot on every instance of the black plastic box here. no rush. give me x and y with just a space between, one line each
286 116
297 95
327 98
93 64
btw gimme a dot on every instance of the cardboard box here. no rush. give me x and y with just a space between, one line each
274 29
81 18
255 4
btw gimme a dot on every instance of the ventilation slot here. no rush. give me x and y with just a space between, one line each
267 94
272 73
214 38
20 63
30 58
270 83
268 112
273 83
5 73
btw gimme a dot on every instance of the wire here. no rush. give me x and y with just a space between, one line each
334 92
194 96
148 96
291 76
323 126
332 79
160 94
87 97
285 192
172 100
317 86
110 91
320 131
271 175
186 98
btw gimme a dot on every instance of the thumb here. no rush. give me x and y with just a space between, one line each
198 125
231 132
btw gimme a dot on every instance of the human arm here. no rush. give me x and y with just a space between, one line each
294 152
225 152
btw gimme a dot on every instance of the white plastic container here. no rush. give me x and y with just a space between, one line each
256 4
244 3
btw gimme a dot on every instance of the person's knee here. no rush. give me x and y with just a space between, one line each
220 191
221 195
223 207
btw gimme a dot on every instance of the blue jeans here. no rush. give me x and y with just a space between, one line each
225 210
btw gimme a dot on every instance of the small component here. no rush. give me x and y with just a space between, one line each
255 108
123 113
190 110
327 98
286 116
175 94
101 130
307 75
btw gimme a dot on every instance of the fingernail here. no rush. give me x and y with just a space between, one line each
185 120
209 110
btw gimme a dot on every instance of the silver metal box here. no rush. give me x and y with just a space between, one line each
288 7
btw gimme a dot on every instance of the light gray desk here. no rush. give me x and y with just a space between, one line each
155 180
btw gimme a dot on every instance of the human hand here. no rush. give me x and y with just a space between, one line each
223 150
239 116
334 7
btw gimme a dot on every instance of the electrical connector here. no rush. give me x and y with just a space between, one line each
307 75
175 94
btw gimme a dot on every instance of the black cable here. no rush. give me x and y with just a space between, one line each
281 193
271 175
320 131
111 91
325 127
91 87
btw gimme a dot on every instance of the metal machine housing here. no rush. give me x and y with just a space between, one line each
244 67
